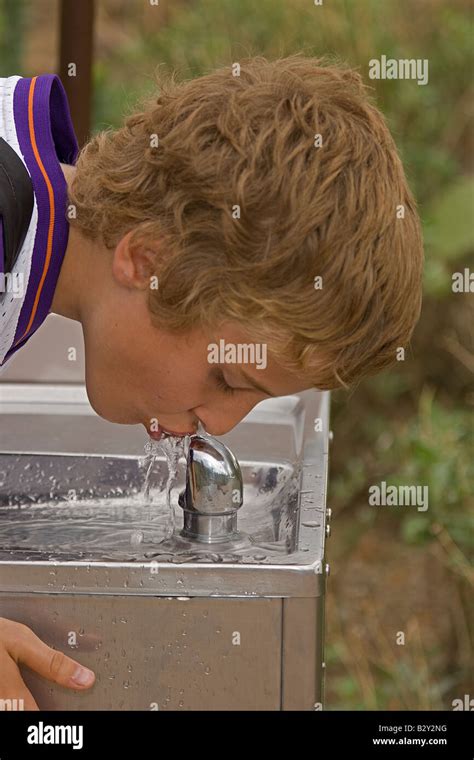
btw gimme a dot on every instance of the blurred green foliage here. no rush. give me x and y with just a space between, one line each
12 25
435 448
448 232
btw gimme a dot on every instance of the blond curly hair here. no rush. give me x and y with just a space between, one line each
228 172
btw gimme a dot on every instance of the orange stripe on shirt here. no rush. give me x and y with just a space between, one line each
49 245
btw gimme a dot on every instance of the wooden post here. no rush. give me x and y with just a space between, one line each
75 61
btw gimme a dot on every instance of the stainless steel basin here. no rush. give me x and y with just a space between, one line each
166 623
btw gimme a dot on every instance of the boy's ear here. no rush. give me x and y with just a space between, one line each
134 263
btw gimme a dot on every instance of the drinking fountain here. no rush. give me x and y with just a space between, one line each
213 493
212 602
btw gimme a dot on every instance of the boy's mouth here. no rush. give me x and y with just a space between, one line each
160 433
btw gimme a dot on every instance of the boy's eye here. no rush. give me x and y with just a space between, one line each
223 384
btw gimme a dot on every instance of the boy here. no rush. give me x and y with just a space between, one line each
261 206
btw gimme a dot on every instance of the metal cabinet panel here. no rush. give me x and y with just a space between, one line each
193 654
46 357
302 653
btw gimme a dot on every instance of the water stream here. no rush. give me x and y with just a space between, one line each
174 448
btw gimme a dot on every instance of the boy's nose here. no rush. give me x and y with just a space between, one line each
221 422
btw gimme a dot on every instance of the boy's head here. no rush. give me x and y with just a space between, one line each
268 208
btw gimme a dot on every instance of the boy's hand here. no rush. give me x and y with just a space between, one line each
19 645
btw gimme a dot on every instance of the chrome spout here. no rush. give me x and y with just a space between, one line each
213 493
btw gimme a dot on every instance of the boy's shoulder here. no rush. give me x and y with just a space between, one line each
36 136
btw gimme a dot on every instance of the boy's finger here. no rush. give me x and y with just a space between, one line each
29 650
14 695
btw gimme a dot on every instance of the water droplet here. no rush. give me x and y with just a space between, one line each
136 538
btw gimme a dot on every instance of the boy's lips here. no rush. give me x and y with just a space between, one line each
158 434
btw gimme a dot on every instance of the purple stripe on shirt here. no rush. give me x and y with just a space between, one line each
56 142
2 249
